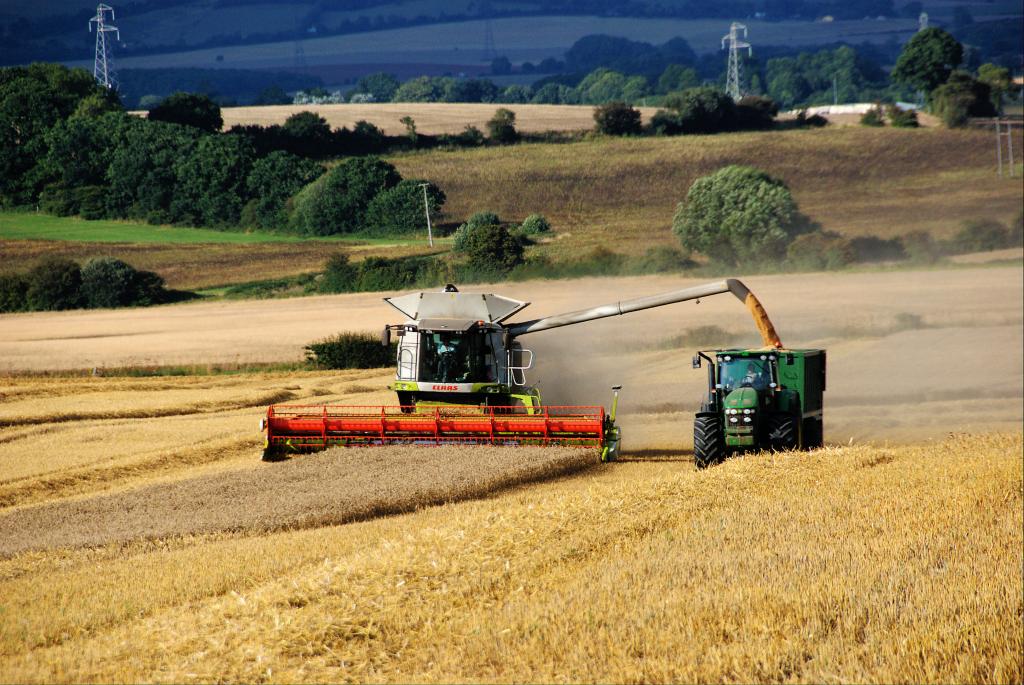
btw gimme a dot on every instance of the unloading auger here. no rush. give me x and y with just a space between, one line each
461 379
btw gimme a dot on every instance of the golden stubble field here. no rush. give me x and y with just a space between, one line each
141 539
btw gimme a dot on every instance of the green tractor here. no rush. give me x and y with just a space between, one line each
763 399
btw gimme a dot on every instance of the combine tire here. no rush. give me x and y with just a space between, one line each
782 433
708 446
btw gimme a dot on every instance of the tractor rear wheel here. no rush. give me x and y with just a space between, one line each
782 433
708 445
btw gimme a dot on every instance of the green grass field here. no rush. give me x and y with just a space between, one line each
28 226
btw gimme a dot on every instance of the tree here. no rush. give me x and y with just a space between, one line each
308 135
381 86
697 110
421 89
960 98
13 293
189 109
273 95
998 81
501 128
272 181
211 181
617 119
738 215
677 77
470 90
54 284
400 210
928 59
461 239
501 66
81 147
516 94
337 201
141 174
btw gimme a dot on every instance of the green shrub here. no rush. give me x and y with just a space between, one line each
534 225
662 259
462 233
471 136
13 293
873 117
189 109
919 246
58 200
871 248
617 118
902 118
339 275
501 128
54 284
272 181
110 282
820 250
493 250
1016 233
380 274
350 351
981 235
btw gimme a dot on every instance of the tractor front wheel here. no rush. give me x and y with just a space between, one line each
708 445
782 433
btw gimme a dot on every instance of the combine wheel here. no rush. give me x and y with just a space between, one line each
782 433
813 434
708 446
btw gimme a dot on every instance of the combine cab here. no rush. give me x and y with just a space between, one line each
461 378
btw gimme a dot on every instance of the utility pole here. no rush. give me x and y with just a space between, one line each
426 210
103 63
1004 130
485 11
835 91
732 81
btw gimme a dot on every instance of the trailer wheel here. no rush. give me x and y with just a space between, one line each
708 446
813 434
782 433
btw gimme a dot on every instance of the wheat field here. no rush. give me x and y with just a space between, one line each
142 539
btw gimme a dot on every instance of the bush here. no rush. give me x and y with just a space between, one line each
54 284
919 246
981 235
534 225
471 136
462 233
91 202
754 112
871 248
960 98
379 274
695 110
58 200
501 128
400 210
661 259
873 117
902 118
13 293
821 250
308 134
1016 233
738 215
350 351
109 282
493 250
339 275
617 118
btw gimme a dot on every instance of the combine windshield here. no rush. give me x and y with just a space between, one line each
744 372
456 358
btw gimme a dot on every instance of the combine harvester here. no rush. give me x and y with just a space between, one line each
461 379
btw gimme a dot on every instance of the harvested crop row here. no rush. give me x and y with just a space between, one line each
333 487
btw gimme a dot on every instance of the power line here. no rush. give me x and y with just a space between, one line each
732 81
103 63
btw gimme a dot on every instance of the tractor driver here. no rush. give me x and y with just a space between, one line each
756 377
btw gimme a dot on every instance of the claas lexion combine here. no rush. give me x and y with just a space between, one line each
461 379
